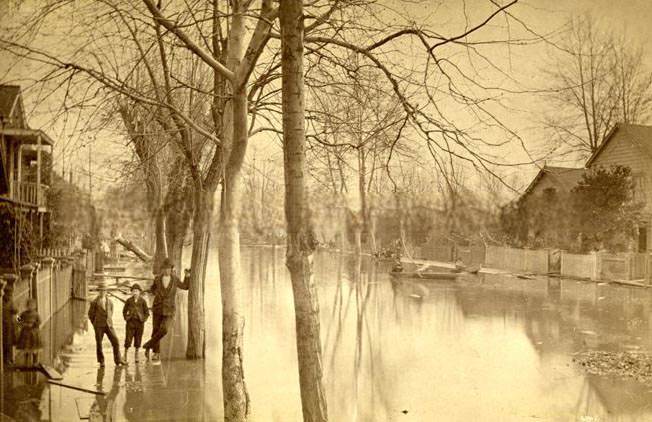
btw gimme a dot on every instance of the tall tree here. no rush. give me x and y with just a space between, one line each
356 118
598 80
301 241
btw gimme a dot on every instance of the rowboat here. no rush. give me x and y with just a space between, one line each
425 275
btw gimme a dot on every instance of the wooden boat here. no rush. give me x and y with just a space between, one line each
474 269
425 275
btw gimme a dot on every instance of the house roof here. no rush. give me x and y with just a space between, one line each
640 135
8 96
28 136
565 178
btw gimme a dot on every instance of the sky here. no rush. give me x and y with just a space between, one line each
632 17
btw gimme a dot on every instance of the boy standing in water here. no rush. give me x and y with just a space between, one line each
135 313
29 340
101 315
164 290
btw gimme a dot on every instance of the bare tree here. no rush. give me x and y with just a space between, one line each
356 118
301 241
598 80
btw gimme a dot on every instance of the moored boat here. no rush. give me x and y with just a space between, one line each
430 275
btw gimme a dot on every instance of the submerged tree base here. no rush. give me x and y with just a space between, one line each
636 365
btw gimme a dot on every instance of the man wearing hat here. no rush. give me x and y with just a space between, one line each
135 313
101 316
164 290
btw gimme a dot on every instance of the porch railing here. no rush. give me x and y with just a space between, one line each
28 192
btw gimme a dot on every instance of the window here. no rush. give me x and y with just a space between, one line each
642 238
639 187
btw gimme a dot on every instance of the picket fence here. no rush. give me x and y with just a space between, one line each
592 266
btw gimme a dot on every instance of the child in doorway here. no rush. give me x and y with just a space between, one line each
135 313
29 340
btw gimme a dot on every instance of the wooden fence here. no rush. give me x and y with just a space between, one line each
606 266
579 265
514 259
593 266
471 255
52 282
437 252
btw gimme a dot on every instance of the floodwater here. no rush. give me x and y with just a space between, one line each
490 347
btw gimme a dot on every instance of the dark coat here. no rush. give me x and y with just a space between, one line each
30 336
135 310
165 298
8 327
99 316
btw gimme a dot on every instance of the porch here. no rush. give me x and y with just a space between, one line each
26 165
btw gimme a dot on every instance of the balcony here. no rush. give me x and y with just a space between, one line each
29 194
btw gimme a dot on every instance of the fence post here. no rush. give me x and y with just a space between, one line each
48 265
561 263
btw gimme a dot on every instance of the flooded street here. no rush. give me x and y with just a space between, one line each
490 347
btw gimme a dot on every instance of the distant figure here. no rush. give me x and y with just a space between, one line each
101 316
398 249
135 313
164 290
29 340
397 267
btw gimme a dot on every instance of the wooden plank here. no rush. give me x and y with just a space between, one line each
50 372
135 249
75 387
116 268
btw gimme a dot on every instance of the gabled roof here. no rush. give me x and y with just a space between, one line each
9 95
565 178
640 135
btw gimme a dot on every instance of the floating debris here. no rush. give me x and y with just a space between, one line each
630 364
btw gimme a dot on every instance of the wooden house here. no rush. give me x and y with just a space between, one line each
631 145
25 165
542 205
561 179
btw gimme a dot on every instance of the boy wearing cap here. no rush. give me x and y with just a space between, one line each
135 313
101 315
164 289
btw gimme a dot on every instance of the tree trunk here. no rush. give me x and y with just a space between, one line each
301 240
236 398
235 128
160 242
364 206
203 199
177 220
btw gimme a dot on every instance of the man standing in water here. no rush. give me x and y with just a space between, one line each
101 315
164 290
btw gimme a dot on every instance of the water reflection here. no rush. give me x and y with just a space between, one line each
489 347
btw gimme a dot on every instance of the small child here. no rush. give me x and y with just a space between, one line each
135 313
29 340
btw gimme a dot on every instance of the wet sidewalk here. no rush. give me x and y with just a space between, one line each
171 390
